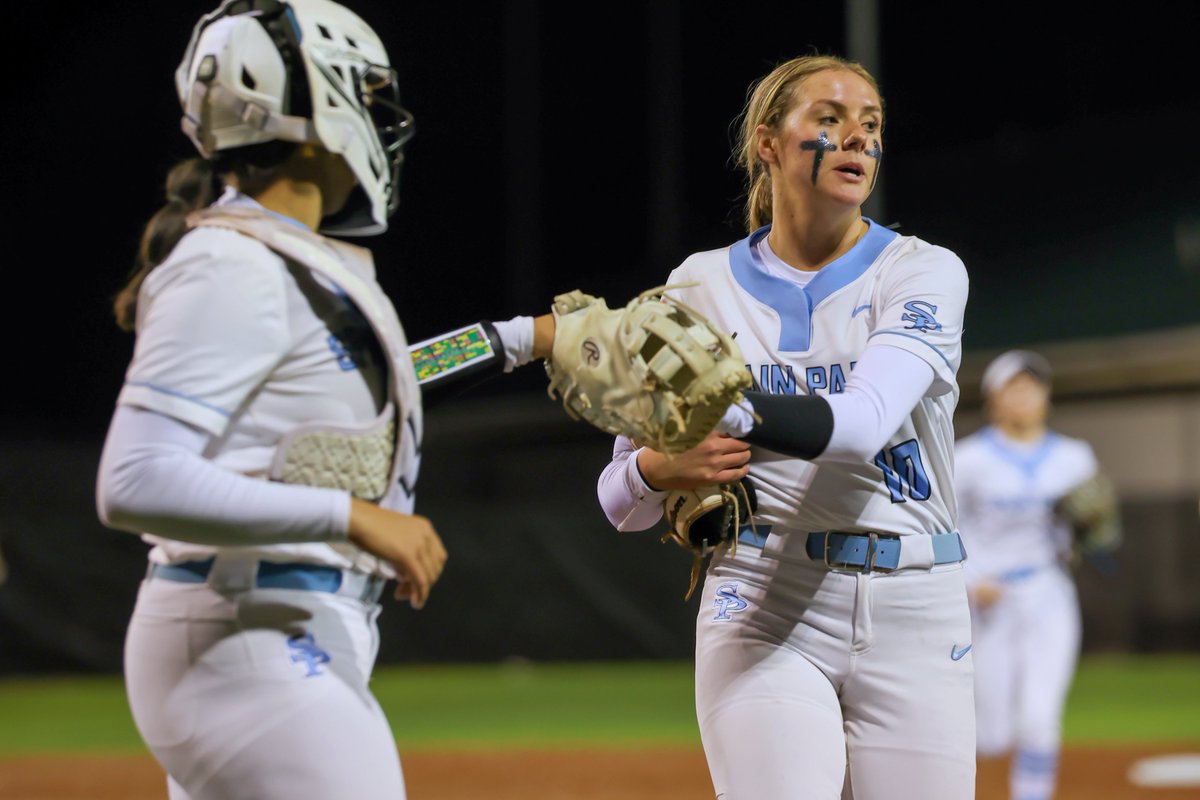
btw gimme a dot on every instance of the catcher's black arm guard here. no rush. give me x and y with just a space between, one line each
794 425
452 363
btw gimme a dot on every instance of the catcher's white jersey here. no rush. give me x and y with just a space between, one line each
1007 491
234 341
803 334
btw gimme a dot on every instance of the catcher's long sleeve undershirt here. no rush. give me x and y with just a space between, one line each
154 479
516 336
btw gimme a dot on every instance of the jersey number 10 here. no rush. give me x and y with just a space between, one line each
903 472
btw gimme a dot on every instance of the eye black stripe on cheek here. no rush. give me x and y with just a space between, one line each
821 145
876 153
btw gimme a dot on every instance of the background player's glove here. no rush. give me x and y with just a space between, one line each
700 520
1092 510
656 370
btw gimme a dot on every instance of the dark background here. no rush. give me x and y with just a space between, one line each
562 146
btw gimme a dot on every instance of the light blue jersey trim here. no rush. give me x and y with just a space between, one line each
915 339
237 199
1028 463
233 197
180 395
794 304
286 218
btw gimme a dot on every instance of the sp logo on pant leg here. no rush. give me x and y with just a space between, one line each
305 650
728 601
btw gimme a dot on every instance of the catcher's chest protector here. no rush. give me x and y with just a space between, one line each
378 461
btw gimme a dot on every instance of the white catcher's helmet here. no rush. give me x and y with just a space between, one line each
300 71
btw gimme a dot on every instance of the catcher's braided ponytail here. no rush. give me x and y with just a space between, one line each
191 184
770 99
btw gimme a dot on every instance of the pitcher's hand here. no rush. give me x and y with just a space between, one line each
719 458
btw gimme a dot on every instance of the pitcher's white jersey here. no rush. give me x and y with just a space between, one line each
1007 491
888 289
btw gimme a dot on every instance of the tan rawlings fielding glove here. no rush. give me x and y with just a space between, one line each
655 371
702 519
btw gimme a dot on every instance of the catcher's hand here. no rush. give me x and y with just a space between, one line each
702 519
1092 510
655 371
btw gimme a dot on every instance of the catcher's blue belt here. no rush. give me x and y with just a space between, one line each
864 552
272 575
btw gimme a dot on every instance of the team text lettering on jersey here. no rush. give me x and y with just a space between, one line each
782 378
902 466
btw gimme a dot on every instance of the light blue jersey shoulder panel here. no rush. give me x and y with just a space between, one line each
795 304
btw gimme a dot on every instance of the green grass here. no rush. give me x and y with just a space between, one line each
619 705
1114 699
47 715
1138 699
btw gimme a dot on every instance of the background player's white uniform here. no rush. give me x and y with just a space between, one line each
1027 641
799 665
244 348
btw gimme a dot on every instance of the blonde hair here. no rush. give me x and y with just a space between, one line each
771 97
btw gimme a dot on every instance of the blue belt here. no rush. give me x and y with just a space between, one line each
272 575
872 552
865 552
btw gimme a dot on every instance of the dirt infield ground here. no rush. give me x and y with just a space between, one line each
1087 774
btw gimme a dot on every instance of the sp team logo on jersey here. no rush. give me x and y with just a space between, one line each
727 601
921 316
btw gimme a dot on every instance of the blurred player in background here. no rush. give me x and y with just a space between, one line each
1014 479
267 439
833 645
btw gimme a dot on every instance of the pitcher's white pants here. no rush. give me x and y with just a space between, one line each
818 685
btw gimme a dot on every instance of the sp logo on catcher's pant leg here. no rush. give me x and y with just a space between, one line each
590 352
727 601
306 651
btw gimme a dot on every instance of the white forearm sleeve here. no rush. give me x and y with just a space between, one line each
885 386
628 502
154 479
517 336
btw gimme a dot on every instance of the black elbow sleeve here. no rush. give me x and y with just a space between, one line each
795 425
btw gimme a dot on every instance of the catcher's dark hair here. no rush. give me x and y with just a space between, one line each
191 185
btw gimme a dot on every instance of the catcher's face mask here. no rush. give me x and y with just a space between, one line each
301 71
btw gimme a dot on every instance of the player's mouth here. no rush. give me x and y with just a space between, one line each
851 169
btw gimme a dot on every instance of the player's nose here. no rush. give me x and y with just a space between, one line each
856 138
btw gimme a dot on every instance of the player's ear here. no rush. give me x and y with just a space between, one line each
765 143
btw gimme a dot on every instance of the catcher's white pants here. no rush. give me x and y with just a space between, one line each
259 694
1026 650
823 685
